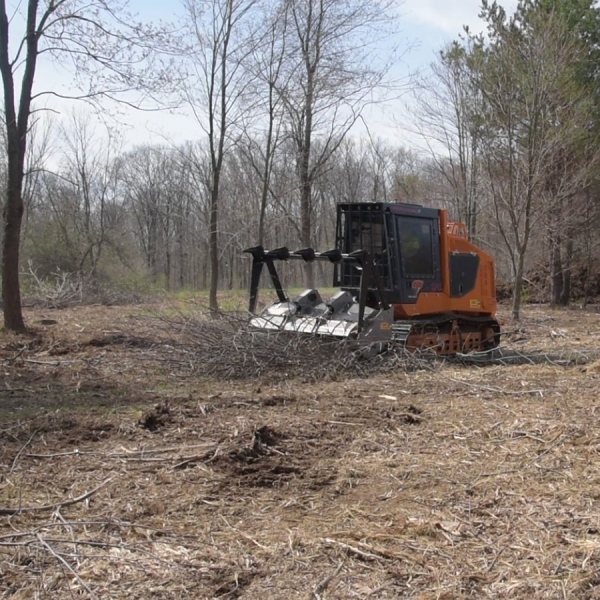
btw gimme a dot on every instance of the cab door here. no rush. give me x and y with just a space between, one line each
416 241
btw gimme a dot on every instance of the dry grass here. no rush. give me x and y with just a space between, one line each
131 472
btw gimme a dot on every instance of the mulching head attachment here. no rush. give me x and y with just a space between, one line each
342 316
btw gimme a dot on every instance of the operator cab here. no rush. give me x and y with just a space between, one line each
402 239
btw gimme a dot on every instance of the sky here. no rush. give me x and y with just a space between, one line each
425 27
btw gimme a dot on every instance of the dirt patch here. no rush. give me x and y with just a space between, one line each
128 473
121 340
157 417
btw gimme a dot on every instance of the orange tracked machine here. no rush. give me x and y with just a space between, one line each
407 275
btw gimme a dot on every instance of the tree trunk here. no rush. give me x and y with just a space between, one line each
167 242
566 273
214 250
167 266
556 272
518 288
152 251
232 268
266 176
11 293
17 125
182 256
472 221
205 266
305 231
305 174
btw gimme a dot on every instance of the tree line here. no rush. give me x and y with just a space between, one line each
509 119
145 212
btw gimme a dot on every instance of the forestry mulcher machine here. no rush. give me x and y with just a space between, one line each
408 276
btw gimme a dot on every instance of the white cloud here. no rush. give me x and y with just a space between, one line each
447 16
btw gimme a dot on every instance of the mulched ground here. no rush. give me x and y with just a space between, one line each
133 467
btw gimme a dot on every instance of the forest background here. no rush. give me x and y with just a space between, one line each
504 132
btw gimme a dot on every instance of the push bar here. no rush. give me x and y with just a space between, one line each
306 254
369 275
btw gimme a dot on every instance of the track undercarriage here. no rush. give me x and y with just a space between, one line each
447 335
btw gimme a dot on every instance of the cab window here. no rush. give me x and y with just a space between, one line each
416 246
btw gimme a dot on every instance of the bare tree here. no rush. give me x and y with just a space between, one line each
106 48
334 73
89 170
262 130
76 220
216 92
449 112
147 173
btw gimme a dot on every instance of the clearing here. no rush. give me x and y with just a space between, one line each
139 464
